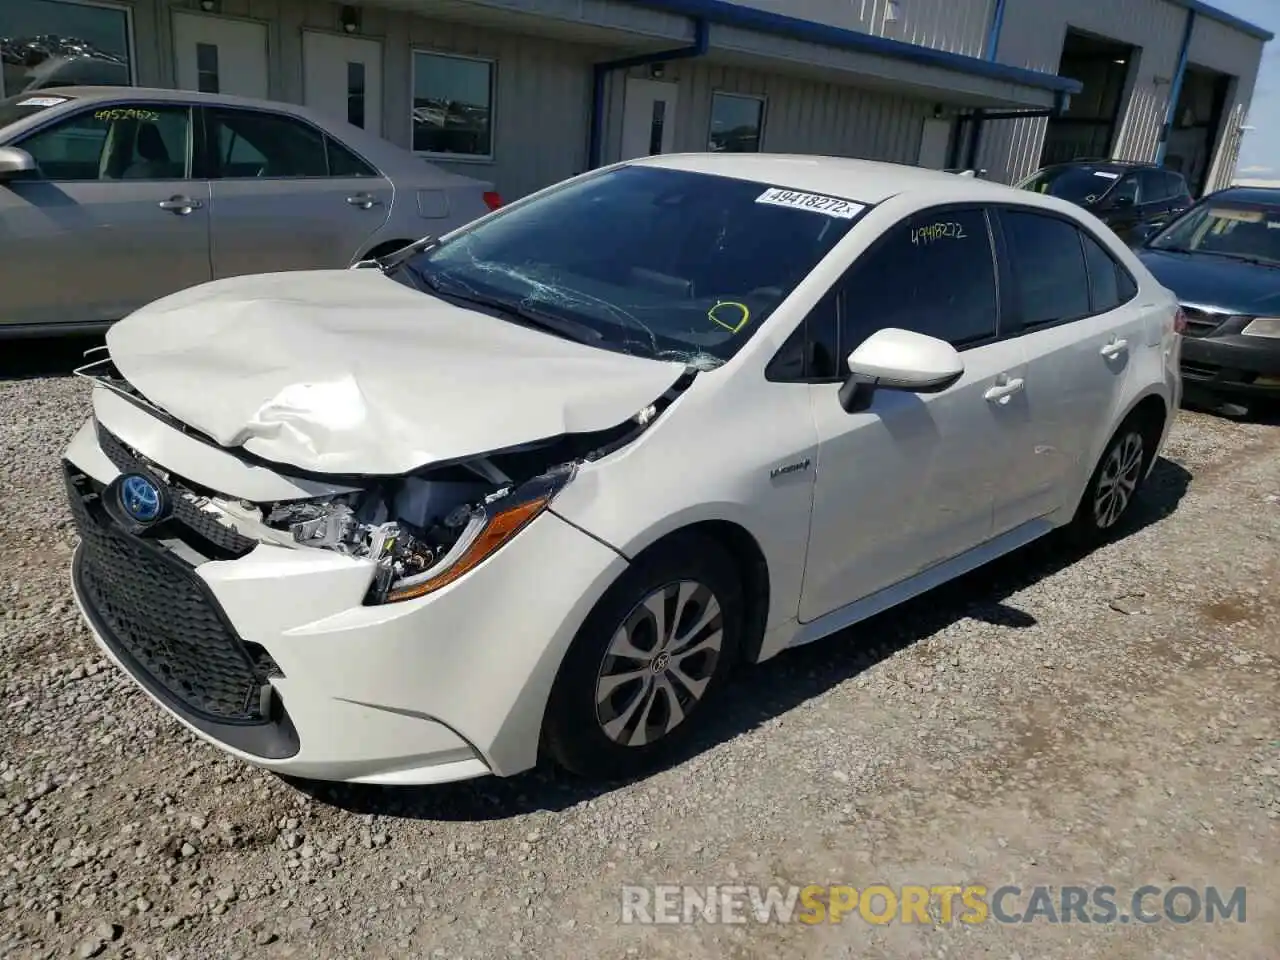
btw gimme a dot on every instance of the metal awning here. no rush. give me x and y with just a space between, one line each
763 40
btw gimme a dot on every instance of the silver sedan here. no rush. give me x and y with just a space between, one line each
112 197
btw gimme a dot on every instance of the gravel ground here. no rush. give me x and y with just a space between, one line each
1109 720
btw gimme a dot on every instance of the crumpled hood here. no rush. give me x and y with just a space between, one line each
349 372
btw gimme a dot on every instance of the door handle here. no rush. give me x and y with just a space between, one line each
180 205
1114 349
363 200
1004 389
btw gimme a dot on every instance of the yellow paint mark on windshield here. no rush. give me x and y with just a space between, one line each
730 322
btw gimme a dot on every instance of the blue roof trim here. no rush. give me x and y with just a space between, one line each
1213 13
749 18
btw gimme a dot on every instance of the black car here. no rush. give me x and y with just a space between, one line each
1125 196
1222 261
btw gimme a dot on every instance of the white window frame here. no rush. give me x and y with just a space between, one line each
493 105
733 94
130 40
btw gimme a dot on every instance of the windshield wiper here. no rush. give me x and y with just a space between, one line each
389 261
522 312
1240 257
541 319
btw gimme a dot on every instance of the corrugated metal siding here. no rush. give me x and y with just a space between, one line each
1218 47
1032 37
959 26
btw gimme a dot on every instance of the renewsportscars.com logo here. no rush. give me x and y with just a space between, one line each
935 904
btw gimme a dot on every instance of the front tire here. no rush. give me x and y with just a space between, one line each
1114 485
649 659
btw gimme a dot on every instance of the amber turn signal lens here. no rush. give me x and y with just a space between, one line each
500 528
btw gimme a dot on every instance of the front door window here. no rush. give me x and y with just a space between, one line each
49 43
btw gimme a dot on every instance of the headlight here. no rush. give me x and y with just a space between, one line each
488 527
454 528
1263 327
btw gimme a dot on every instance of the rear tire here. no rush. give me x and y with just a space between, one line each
648 661
1115 483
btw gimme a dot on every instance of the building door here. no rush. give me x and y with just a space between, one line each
1089 126
649 118
935 142
217 55
342 78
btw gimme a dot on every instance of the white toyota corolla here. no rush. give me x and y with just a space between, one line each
533 490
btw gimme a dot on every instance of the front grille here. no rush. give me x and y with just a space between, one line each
1199 370
1201 323
159 618
212 537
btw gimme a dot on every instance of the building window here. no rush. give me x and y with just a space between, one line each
655 126
452 106
47 43
206 68
736 123
355 93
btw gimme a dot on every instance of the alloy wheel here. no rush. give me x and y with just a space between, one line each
659 663
1119 478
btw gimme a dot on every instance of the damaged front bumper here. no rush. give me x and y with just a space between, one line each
273 652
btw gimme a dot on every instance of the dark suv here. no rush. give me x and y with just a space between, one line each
1133 199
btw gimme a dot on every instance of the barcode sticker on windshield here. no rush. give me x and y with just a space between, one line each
41 101
1104 173
831 206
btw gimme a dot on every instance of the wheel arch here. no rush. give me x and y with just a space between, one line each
1153 408
749 561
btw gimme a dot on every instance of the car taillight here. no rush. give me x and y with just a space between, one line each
492 200
1179 321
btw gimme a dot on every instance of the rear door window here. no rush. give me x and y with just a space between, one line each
253 143
1176 185
1050 279
1153 188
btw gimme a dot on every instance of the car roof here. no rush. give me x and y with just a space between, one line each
391 159
1267 196
865 181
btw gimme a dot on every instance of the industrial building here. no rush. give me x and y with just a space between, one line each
527 92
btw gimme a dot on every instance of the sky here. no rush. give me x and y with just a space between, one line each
1260 148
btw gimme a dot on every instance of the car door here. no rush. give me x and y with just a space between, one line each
1122 209
286 195
1179 195
911 481
1068 298
111 220
1154 198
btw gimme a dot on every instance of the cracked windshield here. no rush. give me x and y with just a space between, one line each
664 264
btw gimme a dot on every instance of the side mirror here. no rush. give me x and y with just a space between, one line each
893 359
15 162
1121 203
